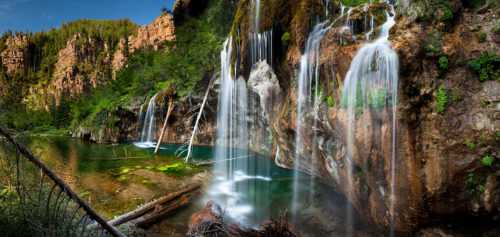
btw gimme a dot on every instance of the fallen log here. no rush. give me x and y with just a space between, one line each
161 213
170 108
217 161
150 206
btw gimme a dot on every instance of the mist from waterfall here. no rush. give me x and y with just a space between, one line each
236 171
371 85
308 101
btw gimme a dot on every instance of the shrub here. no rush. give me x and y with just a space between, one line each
486 66
286 38
441 99
331 102
43 129
433 45
443 62
459 62
470 144
487 160
447 15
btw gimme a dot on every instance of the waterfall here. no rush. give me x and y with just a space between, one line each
261 46
235 180
371 85
149 123
308 71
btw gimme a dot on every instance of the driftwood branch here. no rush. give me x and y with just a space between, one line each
158 215
217 161
150 206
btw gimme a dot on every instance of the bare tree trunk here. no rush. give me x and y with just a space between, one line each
170 108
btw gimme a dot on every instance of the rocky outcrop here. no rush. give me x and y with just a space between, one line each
154 34
437 174
16 57
120 59
82 65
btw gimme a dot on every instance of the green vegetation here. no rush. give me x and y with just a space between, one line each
447 15
487 161
353 3
442 99
487 67
435 10
443 62
480 137
459 62
286 38
481 36
12 217
331 102
455 95
470 144
433 45
191 58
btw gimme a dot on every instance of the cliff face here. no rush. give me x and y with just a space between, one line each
16 57
81 66
436 174
158 32
83 63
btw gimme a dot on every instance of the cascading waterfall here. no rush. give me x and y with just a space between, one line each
149 123
235 179
368 34
372 82
309 70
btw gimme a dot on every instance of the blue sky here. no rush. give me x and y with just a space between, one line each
36 15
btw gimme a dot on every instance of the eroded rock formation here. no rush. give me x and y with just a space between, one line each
154 34
16 57
81 66
433 165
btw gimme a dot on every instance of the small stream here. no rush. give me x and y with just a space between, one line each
115 178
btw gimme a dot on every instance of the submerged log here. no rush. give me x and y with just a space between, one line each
217 161
150 206
162 212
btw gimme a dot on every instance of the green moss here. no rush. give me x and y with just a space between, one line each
442 99
286 38
470 144
353 3
443 62
331 102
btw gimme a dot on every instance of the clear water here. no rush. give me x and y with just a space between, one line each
78 161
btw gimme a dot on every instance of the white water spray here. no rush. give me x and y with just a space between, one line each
373 75
149 123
